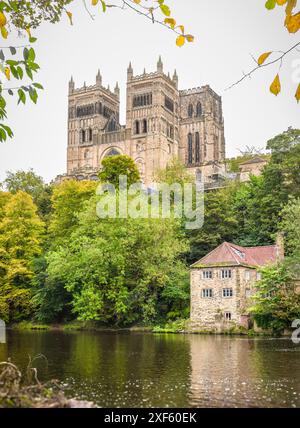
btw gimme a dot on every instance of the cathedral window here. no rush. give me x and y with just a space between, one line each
199 109
197 149
82 136
90 134
190 110
142 100
145 127
137 127
169 104
112 125
190 149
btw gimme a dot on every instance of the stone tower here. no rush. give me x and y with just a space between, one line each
162 122
152 119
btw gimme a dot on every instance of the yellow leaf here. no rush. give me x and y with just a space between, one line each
7 73
28 32
297 95
180 41
190 38
181 28
2 19
171 22
94 2
275 88
4 32
263 58
137 1
70 16
292 23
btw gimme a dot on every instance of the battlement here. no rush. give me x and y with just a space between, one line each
198 90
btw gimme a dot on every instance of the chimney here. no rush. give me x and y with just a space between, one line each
280 246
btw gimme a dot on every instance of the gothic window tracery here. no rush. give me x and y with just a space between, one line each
190 110
199 109
137 127
145 126
197 148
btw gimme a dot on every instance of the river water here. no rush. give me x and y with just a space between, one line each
157 370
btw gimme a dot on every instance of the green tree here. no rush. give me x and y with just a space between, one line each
31 183
117 270
21 233
290 225
67 200
115 166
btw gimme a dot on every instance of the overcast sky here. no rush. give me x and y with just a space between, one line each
226 34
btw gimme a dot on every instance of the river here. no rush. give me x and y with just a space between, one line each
157 370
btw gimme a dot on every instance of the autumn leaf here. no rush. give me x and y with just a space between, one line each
275 87
180 41
7 73
297 95
70 16
263 58
2 19
292 23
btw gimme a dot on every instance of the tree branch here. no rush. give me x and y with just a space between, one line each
258 67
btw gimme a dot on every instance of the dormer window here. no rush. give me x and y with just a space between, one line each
238 253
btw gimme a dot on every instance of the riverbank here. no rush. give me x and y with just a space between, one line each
174 327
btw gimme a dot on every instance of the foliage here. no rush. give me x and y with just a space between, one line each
20 241
276 303
67 201
115 166
138 263
290 225
31 183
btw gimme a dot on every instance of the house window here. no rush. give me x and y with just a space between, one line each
258 276
227 316
197 147
207 274
207 293
248 293
227 292
190 110
247 275
190 149
226 274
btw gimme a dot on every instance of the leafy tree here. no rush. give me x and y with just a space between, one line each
115 166
277 303
290 225
20 241
68 199
117 270
219 224
175 172
31 183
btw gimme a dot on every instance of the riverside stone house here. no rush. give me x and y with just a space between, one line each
223 281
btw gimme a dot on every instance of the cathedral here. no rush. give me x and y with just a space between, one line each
162 122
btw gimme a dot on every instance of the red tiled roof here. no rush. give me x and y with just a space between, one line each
231 254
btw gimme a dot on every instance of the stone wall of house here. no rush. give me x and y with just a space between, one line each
209 312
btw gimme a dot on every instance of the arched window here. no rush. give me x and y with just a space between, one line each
82 136
112 152
197 148
112 125
137 127
145 127
190 110
190 149
199 109
90 134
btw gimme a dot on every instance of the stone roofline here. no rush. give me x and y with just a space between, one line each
92 88
149 76
197 90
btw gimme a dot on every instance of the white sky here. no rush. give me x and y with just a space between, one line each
226 33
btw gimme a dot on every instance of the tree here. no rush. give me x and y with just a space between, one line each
21 233
219 224
31 183
290 225
120 271
115 166
276 303
68 199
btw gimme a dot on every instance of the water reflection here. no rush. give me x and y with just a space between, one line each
144 370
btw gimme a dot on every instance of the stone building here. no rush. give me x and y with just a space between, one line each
223 281
162 122
252 166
